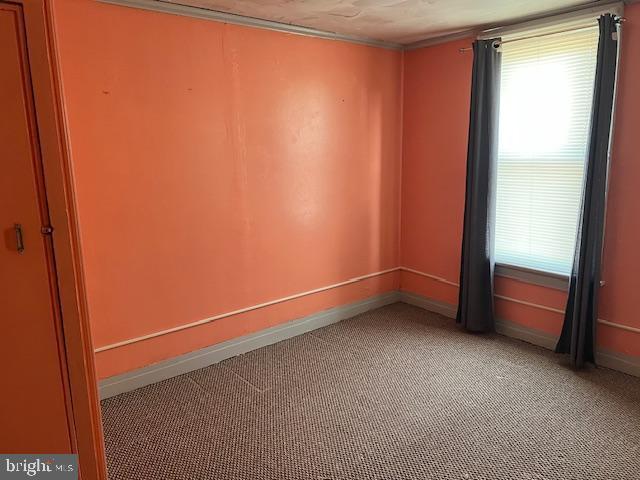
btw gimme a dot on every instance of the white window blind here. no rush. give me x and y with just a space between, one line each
545 106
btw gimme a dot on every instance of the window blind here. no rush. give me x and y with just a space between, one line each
545 107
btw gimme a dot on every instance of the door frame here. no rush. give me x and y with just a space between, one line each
85 419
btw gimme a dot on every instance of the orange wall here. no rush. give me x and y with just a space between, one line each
220 166
437 84
437 92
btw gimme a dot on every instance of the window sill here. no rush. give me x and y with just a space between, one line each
536 277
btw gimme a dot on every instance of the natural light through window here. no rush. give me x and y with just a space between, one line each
545 106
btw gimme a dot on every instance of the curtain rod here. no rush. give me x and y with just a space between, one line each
498 43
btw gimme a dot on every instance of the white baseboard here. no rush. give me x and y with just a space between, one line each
605 358
188 362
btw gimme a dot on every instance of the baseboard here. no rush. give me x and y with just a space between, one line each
605 358
526 334
503 327
619 361
208 356
435 306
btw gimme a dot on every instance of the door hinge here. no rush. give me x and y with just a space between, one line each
48 230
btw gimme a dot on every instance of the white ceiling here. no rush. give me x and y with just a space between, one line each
397 21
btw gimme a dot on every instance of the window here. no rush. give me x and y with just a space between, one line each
545 107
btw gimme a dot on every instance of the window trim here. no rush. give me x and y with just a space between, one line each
556 281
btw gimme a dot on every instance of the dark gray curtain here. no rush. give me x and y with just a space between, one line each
578 331
475 303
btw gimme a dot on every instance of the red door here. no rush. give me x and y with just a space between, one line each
33 396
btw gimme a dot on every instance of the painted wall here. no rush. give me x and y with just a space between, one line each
437 84
219 167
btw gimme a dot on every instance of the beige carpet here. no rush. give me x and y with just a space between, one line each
397 393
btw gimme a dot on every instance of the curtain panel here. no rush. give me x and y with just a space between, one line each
475 302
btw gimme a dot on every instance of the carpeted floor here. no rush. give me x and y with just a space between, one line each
397 393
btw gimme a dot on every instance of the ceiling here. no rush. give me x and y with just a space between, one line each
395 21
